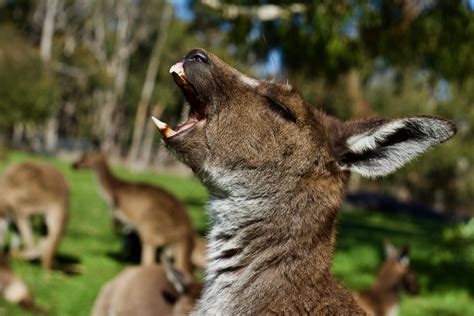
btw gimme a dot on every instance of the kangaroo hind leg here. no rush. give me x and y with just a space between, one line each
56 220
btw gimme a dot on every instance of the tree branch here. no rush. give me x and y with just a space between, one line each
264 12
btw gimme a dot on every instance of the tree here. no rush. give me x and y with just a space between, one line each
46 44
111 32
28 92
143 108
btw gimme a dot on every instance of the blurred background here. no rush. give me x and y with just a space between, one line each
88 74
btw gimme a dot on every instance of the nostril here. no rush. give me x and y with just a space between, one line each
199 56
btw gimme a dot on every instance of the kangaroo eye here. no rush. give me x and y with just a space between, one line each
281 109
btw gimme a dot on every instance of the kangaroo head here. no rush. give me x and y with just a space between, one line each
186 293
395 273
245 135
89 160
4 260
12 288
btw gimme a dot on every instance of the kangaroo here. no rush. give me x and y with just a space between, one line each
160 219
148 291
383 297
198 256
276 169
14 289
30 188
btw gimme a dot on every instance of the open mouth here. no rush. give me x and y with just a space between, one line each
197 110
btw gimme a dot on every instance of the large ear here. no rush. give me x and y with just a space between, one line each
404 257
4 261
390 250
179 281
377 147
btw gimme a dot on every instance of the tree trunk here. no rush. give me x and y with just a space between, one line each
143 108
107 114
360 106
360 109
51 135
46 45
47 31
146 150
17 135
117 69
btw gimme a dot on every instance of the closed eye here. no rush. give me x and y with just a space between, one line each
281 109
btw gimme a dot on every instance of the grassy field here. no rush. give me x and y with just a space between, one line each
442 257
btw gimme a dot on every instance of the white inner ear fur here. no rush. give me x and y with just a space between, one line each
405 261
368 141
390 250
387 159
174 278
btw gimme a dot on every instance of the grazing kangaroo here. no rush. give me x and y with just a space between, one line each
30 188
383 297
160 219
14 289
276 169
148 291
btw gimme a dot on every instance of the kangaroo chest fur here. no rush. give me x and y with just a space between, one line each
226 256
257 266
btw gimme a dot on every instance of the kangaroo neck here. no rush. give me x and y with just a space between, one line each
387 286
286 237
107 180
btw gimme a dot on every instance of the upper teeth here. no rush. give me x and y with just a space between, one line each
164 129
178 69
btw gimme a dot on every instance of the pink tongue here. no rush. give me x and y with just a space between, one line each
184 126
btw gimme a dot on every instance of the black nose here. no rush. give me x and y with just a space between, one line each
197 55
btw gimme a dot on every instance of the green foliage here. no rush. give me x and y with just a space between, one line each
28 91
331 97
463 231
438 39
331 37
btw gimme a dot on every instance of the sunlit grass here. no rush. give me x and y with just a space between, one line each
445 268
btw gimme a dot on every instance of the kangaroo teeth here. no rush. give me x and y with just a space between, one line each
178 69
164 129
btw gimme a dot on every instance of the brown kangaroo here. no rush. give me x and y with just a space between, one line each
148 291
30 188
276 169
14 289
160 219
383 297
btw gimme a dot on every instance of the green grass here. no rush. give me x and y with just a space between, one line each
445 266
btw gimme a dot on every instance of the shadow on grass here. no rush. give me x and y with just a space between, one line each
130 251
67 264
442 311
448 266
